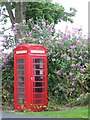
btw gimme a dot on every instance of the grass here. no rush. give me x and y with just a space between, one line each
81 112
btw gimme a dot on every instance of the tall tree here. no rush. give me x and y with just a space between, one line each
18 14
50 12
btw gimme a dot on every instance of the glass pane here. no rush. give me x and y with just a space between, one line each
39 95
38 66
21 95
38 89
20 60
39 101
37 84
21 84
38 60
21 72
20 66
38 78
20 89
38 72
21 78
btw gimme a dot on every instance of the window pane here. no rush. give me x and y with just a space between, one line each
38 89
38 72
20 60
21 84
20 89
38 60
21 72
21 95
37 84
21 78
38 78
20 66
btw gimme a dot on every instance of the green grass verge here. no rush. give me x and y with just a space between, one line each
81 112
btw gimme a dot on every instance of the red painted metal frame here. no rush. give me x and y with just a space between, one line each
29 78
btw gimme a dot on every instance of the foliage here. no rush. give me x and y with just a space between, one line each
68 68
47 10
50 12
83 99
7 80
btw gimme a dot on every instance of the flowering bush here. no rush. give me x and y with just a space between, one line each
67 59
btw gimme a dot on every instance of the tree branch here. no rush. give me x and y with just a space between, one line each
43 9
9 9
7 29
6 15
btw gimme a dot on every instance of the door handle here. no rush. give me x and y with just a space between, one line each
31 78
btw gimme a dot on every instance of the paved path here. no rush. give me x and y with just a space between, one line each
12 115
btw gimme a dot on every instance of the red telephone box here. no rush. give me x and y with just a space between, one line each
30 77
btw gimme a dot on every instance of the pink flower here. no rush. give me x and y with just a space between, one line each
64 74
69 50
66 36
49 42
77 64
63 55
74 79
5 36
82 95
58 72
78 42
88 39
36 27
30 33
73 83
80 52
16 24
73 65
75 55
57 42
74 68
73 58
15 31
24 21
84 45
82 70
1 50
68 58
78 98
5 60
73 47
43 23
70 73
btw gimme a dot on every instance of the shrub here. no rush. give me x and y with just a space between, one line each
68 66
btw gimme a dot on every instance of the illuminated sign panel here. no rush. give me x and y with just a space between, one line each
21 52
37 51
